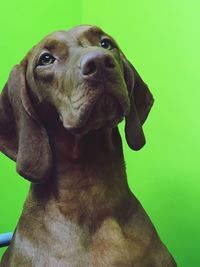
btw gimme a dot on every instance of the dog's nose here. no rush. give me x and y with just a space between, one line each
96 64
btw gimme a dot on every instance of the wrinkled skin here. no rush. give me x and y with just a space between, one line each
70 93
58 121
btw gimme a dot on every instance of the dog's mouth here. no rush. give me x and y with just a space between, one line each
104 111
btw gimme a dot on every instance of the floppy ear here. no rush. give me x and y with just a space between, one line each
141 101
22 136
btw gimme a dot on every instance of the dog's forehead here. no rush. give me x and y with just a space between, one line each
60 41
72 36
86 31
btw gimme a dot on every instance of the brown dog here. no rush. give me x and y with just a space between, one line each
59 113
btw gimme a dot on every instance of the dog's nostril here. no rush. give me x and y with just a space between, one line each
95 64
89 68
109 62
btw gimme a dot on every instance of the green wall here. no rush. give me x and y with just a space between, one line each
162 40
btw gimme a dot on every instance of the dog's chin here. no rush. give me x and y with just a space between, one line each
105 113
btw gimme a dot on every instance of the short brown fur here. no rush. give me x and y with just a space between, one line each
64 138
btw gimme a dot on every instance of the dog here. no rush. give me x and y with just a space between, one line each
59 116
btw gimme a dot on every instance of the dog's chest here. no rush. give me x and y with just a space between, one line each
65 244
51 242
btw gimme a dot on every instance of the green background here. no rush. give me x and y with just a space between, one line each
162 40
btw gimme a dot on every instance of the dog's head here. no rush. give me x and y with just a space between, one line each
85 77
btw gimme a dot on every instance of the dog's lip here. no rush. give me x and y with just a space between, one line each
89 108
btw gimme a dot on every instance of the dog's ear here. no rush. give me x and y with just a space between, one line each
22 136
141 101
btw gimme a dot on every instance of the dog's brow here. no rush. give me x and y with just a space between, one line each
52 44
94 31
58 46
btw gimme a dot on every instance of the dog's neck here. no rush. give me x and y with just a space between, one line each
89 178
96 146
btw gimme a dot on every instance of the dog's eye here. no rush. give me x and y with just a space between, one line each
46 59
107 44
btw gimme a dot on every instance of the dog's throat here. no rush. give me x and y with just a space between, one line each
88 177
69 148
77 148
89 145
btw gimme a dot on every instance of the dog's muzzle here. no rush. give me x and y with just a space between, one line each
97 66
106 103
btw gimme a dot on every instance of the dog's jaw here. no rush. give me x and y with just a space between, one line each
104 111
